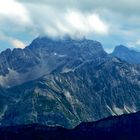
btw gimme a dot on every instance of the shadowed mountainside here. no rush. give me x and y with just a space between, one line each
125 127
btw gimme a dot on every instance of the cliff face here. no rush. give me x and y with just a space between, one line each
73 81
43 56
89 92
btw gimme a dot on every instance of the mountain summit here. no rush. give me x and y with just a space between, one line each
126 54
45 55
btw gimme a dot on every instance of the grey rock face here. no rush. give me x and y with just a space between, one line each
88 93
72 81
124 53
45 55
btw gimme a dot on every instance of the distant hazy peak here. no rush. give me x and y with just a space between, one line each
121 48
126 54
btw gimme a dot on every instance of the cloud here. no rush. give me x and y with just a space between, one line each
107 22
18 44
58 22
76 23
86 23
13 43
134 44
36 17
13 10
52 16
122 6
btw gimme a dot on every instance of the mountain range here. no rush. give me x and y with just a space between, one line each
63 82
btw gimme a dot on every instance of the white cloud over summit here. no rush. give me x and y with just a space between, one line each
46 19
111 22
41 18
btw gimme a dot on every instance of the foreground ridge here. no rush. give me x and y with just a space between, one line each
124 127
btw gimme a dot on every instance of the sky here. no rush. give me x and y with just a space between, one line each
110 22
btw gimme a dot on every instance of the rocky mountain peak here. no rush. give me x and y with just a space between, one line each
45 55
